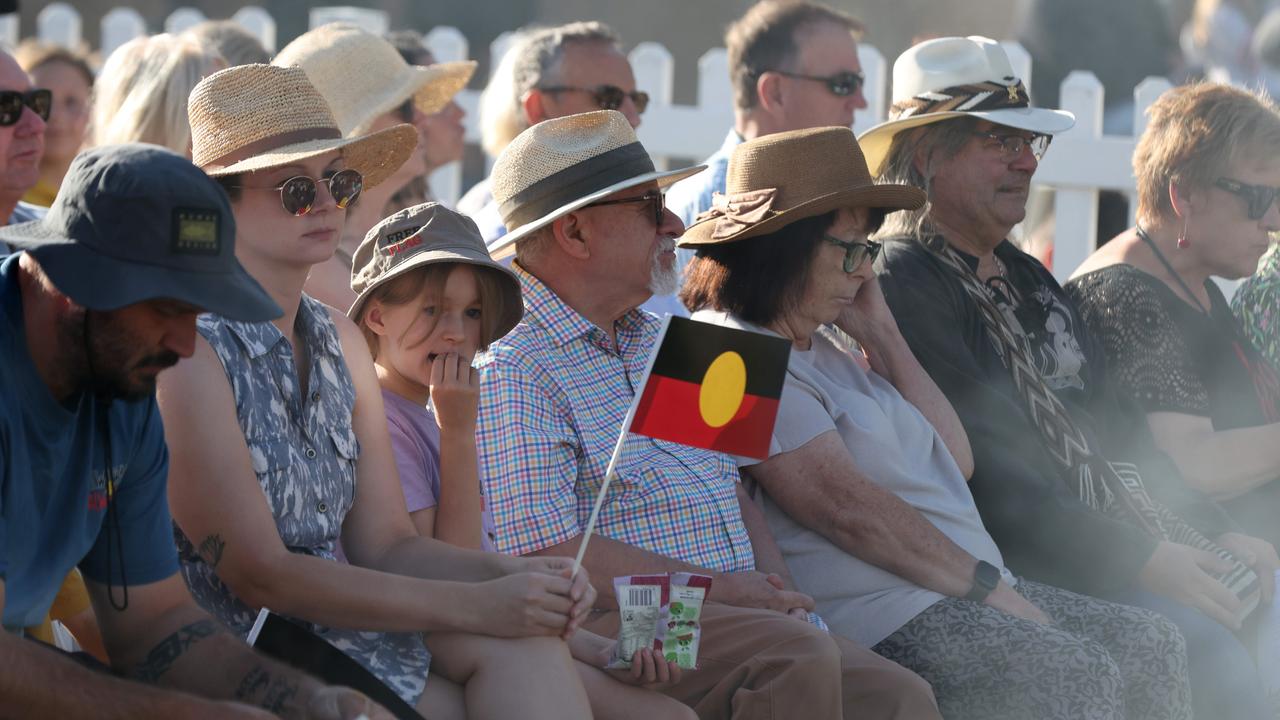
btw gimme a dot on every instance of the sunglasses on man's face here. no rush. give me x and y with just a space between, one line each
1258 198
656 198
607 97
298 193
11 103
855 253
841 84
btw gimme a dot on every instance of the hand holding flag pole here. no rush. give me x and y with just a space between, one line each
705 385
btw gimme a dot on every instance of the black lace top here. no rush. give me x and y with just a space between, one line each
1170 355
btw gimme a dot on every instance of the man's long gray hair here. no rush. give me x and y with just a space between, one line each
934 144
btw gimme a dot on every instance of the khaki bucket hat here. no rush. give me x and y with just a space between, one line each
560 165
778 179
424 235
362 76
256 117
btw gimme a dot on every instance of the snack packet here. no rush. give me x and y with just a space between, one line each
640 600
679 630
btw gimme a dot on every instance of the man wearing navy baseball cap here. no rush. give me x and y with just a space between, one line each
102 296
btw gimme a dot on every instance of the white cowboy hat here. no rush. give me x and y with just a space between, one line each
563 164
957 77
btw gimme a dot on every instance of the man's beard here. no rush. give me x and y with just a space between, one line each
664 280
111 367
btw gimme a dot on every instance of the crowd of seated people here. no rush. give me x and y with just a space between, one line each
251 364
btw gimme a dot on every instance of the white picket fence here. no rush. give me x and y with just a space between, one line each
1081 161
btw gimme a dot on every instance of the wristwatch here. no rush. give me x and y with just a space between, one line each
985 579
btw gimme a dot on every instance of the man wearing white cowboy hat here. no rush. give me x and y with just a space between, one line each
593 241
102 298
1003 341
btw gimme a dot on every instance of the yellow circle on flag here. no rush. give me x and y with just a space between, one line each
722 389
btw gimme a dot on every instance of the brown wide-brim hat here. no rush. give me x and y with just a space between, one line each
424 235
778 179
256 117
362 76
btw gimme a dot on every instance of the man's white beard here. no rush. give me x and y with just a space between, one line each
664 280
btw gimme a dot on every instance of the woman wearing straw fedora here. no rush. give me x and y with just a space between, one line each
369 87
279 447
866 487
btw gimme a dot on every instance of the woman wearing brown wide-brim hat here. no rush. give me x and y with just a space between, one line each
866 486
279 446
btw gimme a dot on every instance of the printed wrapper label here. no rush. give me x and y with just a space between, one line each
640 602
679 626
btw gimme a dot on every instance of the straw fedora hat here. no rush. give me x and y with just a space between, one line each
255 117
780 178
957 77
424 235
563 164
363 76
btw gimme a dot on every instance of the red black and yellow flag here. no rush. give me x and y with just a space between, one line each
713 387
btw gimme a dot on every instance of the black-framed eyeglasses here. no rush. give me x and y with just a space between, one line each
298 193
608 97
1011 145
855 252
11 103
1258 198
842 84
658 200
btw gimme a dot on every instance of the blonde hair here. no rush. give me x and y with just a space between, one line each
411 285
141 93
1194 134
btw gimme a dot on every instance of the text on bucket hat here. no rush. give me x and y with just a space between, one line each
139 222
563 164
957 77
424 235
777 179
256 117
363 76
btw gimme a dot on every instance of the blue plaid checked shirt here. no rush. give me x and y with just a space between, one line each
554 393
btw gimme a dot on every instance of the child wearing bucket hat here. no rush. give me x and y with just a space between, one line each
279 449
369 86
429 297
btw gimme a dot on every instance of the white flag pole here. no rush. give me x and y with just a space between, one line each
617 448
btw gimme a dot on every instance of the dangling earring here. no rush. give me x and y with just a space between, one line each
1183 242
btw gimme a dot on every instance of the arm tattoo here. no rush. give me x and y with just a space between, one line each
167 651
268 691
211 550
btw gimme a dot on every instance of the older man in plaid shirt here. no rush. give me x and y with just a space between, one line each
593 241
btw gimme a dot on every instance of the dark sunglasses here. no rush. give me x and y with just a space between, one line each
608 97
653 196
11 103
855 253
1258 198
841 84
298 194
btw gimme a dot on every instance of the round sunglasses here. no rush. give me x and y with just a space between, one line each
855 253
607 97
298 193
11 103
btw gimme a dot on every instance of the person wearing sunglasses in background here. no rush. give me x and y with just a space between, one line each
1207 183
793 65
370 87
23 112
279 444
1067 476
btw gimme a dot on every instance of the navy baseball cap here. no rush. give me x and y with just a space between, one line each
139 222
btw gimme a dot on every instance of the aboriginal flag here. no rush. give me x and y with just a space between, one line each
713 387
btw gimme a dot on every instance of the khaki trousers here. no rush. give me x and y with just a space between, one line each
763 665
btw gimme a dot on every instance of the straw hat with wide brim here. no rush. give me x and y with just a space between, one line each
256 117
956 77
563 164
778 179
363 76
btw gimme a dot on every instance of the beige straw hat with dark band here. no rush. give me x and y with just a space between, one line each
562 164
778 179
255 117
363 76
